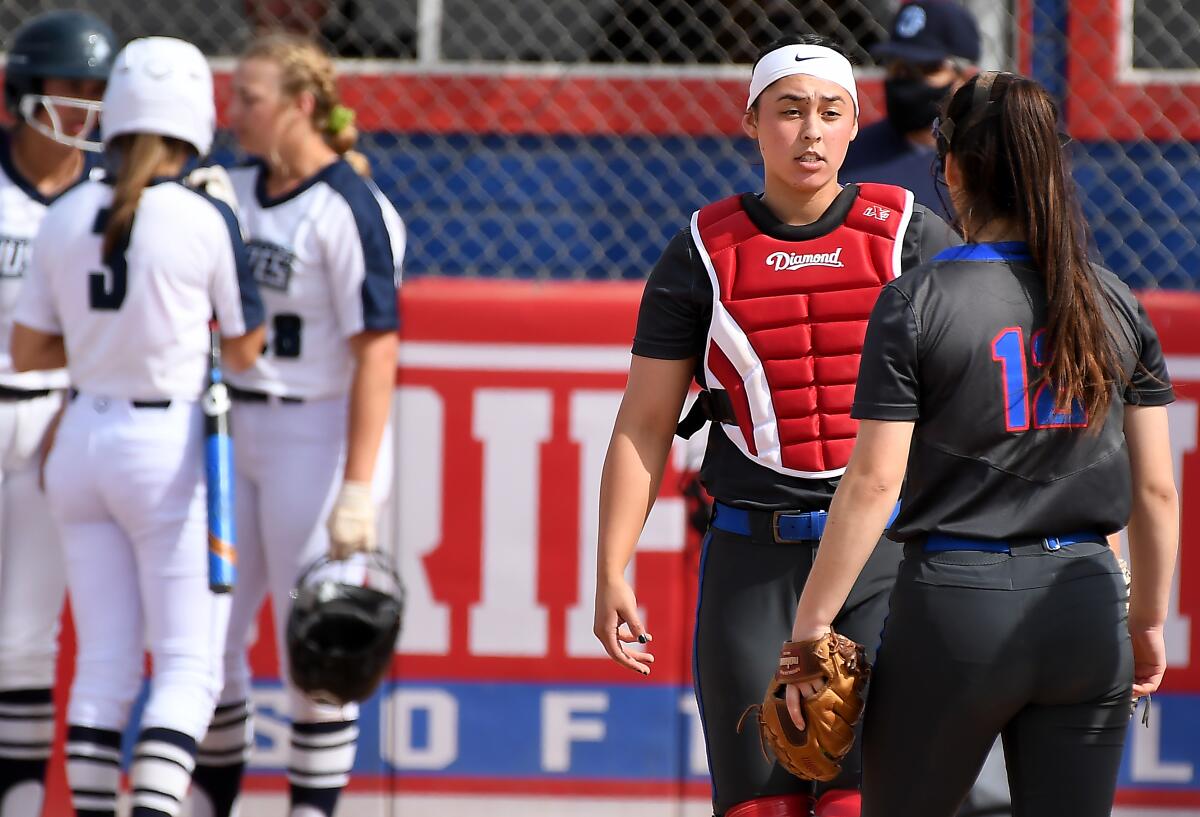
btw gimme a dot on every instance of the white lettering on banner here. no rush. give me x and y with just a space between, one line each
665 527
512 424
795 260
592 415
697 754
665 530
1182 417
561 727
398 744
513 357
1145 764
271 725
419 433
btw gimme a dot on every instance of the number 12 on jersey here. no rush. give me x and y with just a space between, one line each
1008 349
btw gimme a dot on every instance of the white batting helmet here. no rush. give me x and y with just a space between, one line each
160 85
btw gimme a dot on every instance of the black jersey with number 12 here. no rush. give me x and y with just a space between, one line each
959 347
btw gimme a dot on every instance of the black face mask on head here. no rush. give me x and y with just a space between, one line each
911 104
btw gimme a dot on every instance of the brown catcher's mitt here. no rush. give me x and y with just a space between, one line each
816 752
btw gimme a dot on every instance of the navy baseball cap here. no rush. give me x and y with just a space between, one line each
931 31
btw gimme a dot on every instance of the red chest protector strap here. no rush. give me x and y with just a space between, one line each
787 328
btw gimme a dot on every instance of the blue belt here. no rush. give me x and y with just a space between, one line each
939 542
784 526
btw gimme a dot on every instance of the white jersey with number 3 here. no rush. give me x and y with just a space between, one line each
135 324
327 259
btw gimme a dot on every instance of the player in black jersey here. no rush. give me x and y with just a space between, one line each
809 257
1025 390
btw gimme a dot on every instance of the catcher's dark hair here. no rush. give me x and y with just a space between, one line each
138 158
799 39
1005 140
796 39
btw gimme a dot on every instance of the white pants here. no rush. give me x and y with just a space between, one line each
31 568
127 490
289 460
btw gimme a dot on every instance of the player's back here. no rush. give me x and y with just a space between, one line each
135 323
993 455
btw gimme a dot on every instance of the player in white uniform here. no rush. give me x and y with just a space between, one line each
310 418
126 274
57 66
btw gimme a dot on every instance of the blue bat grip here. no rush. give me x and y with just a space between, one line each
222 541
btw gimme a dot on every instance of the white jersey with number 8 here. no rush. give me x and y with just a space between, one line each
327 260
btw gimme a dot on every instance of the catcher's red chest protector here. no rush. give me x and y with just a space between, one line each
788 323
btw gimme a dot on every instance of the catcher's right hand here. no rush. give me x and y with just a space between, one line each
813 747
617 625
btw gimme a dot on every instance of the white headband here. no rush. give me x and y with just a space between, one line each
813 60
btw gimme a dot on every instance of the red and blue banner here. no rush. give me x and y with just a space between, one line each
505 402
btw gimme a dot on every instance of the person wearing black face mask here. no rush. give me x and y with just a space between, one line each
913 93
933 50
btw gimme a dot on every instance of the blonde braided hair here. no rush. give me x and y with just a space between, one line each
304 66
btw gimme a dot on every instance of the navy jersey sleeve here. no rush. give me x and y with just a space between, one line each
360 249
241 287
887 375
676 306
1150 384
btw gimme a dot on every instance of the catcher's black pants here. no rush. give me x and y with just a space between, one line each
1032 647
748 596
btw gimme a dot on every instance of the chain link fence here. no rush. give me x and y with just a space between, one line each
570 139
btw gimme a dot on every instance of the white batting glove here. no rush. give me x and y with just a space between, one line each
351 523
215 181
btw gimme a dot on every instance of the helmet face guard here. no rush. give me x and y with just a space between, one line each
342 627
65 44
31 104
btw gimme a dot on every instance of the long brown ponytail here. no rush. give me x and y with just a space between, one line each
1007 146
141 158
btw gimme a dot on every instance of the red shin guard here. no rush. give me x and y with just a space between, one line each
839 803
788 805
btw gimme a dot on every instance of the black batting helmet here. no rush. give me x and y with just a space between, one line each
60 44
343 626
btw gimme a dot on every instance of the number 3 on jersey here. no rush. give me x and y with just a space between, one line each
1008 349
107 288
